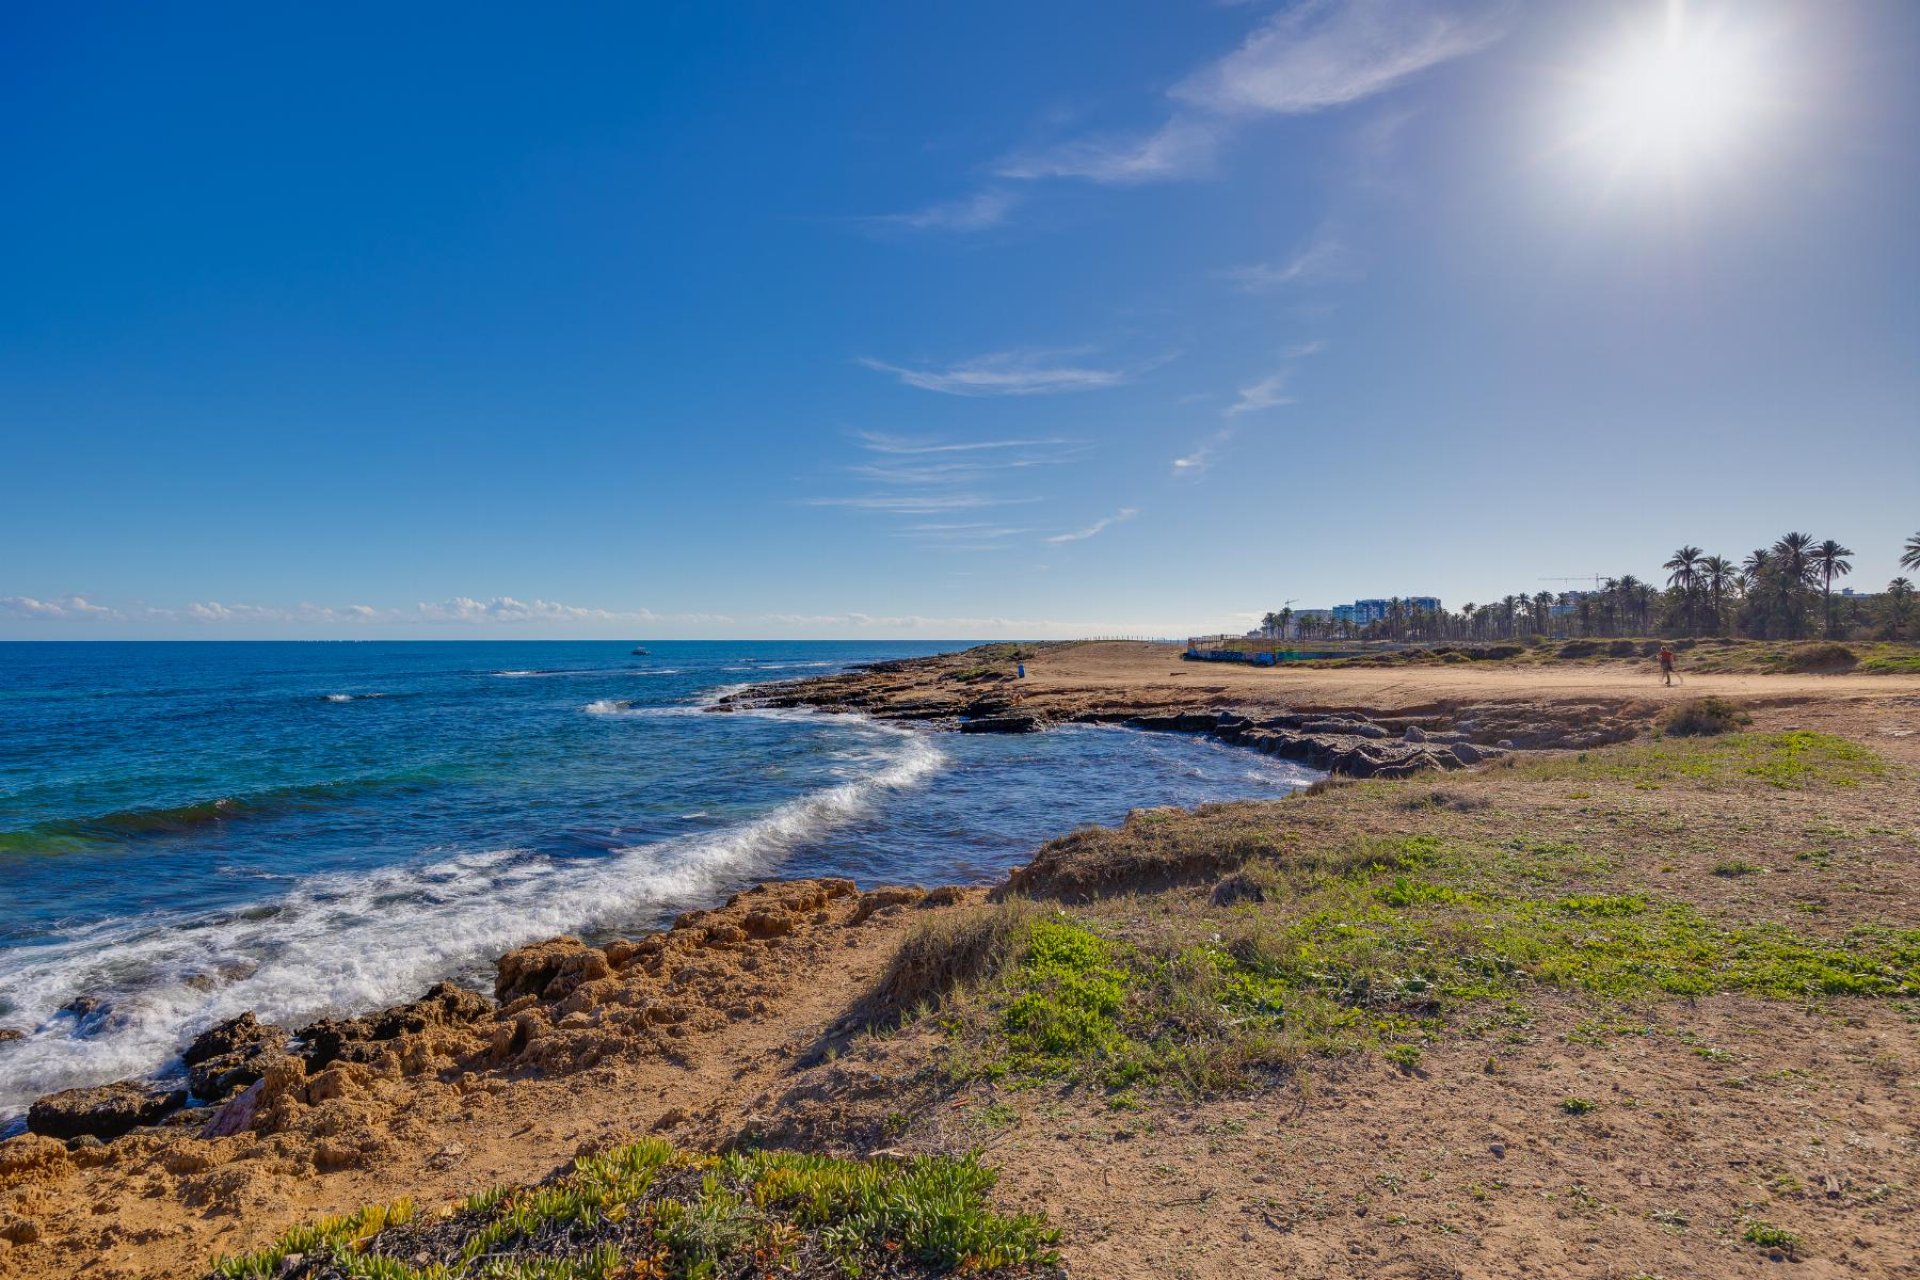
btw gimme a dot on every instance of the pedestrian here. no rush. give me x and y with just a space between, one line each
1666 663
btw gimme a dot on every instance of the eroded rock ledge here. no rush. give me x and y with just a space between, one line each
315 1096
948 692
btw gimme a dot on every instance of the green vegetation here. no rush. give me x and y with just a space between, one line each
649 1210
1767 1236
1789 760
1579 1106
1782 591
1379 944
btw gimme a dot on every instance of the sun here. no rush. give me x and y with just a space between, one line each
1680 95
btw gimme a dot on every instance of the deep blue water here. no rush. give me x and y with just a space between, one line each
191 830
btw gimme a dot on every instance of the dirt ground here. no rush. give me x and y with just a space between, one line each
1708 1115
1151 671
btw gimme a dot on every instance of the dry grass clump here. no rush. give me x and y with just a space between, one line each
950 949
1704 717
1153 849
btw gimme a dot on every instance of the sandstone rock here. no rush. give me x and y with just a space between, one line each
550 969
231 1036
11 1033
947 895
768 924
886 895
226 1057
104 1112
32 1157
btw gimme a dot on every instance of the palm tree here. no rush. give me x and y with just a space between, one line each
1829 560
1910 559
1792 564
1684 576
1719 575
1899 605
1755 566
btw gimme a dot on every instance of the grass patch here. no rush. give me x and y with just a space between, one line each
1791 760
650 1210
1579 1106
1374 946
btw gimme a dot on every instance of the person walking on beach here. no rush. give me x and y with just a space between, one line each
1666 663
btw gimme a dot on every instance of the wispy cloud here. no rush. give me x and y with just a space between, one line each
1325 257
878 442
919 504
1268 393
973 628
980 211
1006 373
1183 147
1196 463
1098 526
1327 53
1313 56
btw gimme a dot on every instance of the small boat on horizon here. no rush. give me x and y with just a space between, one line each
639 651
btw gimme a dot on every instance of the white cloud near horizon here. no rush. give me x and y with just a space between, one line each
1005 373
457 610
59 608
1097 527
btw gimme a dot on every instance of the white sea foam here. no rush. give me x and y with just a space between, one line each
352 942
339 697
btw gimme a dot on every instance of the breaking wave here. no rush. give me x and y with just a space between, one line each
348 943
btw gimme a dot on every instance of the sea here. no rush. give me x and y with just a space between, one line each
192 830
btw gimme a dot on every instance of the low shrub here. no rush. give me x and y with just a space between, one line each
1822 657
1704 717
651 1210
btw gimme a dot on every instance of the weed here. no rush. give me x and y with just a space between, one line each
1768 1236
1578 1106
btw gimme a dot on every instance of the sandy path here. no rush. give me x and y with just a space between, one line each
1158 670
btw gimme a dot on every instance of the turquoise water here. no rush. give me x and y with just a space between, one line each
189 830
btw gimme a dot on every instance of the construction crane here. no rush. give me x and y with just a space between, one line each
1595 578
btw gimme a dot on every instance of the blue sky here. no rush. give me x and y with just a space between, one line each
959 321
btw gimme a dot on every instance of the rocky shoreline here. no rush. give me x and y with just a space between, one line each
246 1075
951 691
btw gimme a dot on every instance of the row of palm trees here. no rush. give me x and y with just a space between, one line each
1768 594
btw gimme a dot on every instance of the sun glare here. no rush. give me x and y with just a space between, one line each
1675 97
